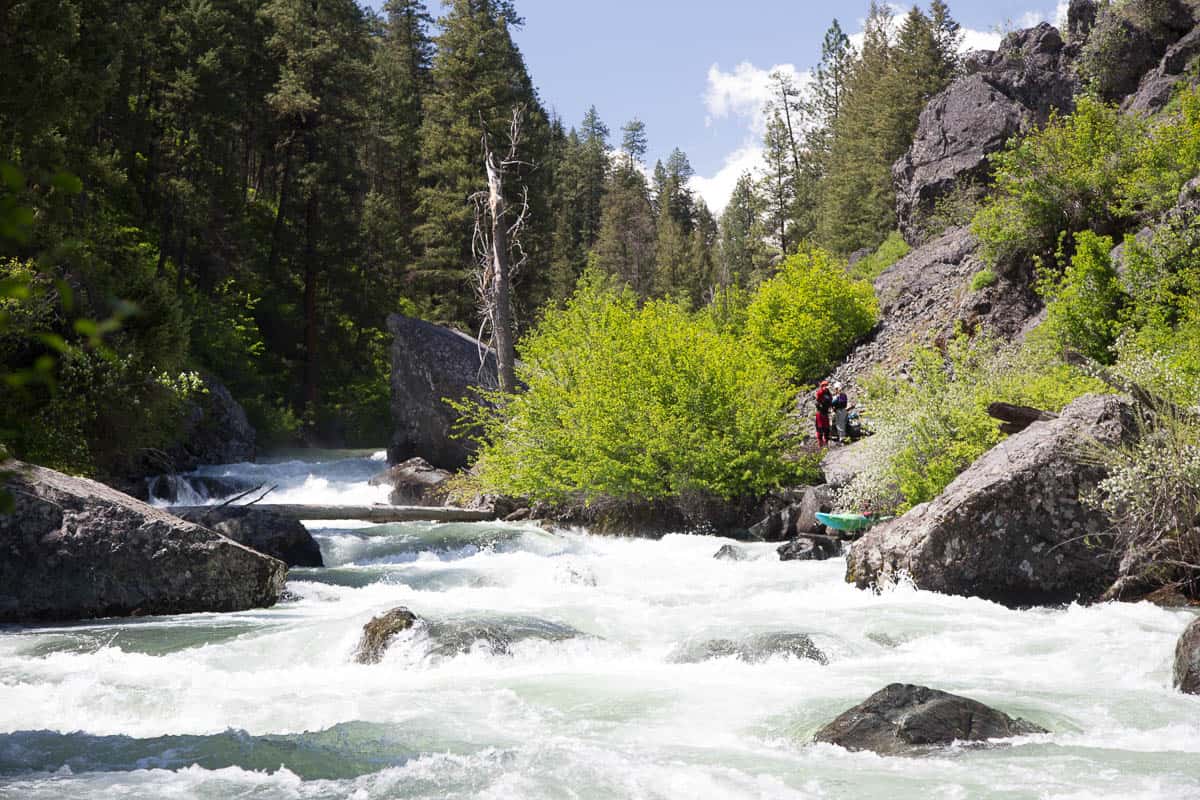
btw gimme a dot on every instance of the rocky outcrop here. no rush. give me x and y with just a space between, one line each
1128 41
379 632
1006 93
793 512
902 719
432 364
810 547
273 534
75 549
753 649
1011 528
215 431
415 482
926 297
1178 66
1187 660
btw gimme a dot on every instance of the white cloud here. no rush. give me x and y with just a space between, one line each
979 40
744 92
717 189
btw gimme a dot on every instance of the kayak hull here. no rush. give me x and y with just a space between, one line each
847 522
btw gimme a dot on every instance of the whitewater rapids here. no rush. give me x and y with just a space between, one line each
269 704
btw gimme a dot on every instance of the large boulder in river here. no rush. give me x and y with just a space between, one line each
810 547
1187 660
267 532
379 632
430 365
73 548
415 482
1012 527
902 719
1006 93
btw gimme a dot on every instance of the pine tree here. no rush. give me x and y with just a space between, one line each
633 142
778 184
743 257
626 245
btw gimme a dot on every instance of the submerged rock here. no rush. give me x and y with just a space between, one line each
1011 528
753 650
497 636
379 632
1187 660
265 531
430 365
414 482
731 552
76 549
902 719
810 547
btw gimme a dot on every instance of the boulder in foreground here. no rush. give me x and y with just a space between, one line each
902 719
273 534
1187 660
76 549
1011 528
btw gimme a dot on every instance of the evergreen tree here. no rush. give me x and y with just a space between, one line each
626 245
743 255
633 142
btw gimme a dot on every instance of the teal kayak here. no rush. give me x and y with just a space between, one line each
848 522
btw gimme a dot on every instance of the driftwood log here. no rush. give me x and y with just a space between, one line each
378 514
1014 419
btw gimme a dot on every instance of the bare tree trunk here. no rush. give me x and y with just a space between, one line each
501 302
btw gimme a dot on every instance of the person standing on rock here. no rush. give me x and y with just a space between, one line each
824 405
841 412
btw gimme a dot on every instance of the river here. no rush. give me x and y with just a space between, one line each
563 665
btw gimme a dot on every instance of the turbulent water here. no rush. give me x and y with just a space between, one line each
566 666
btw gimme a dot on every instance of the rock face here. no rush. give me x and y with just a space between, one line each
902 719
378 633
429 365
811 547
1010 528
76 549
1008 92
792 513
1187 660
1127 41
1178 65
415 482
215 431
265 531
926 296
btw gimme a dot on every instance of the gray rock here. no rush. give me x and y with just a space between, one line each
379 632
810 547
1006 93
1187 660
815 499
902 719
752 649
1129 40
265 531
841 464
1011 528
1156 86
731 552
415 482
76 549
1081 18
431 364
215 431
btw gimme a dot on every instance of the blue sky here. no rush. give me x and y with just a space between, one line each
695 72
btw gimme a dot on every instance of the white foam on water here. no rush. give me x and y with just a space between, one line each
607 713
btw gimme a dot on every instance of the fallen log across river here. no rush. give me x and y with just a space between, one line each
378 513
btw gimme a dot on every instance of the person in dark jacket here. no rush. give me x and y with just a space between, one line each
824 405
841 413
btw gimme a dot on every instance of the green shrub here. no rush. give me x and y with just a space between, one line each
809 315
983 279
933 425
629 402
892 250
1084 304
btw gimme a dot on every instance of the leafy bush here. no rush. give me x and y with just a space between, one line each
1084 304
629 402
809 315
935 424
892 250
983 279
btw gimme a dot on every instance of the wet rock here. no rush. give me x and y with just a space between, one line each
1011 528
496 636
753 649
414 482
431 364
186 489
76 549
379 632
1007 93
1187 660
810 547
215 431
731 552
265 531
903 719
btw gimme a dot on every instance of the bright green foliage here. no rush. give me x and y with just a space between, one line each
983 279
1165 159
889 252
934 425
1084 305
625 402
809 315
